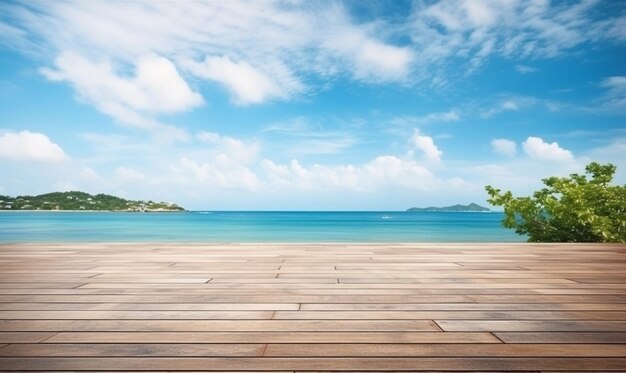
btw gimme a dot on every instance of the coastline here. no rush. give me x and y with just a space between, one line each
75 211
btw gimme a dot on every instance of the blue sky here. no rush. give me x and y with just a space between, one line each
322 105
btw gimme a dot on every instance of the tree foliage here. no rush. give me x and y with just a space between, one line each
568 209
81 201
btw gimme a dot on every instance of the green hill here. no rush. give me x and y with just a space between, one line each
472 207
82 201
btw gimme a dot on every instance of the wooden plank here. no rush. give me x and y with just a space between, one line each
23 337
272 280
360 364
272 337
531 326
133 350
429 278
280 298
587 298
562 337
462 307
219 325
136 315
445 350
449 315
151 306
40 285
368 292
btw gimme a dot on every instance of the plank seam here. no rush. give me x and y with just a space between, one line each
438 326
498 338
48 337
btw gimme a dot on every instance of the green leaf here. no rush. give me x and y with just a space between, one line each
568 209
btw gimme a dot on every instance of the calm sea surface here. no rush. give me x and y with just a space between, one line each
254 227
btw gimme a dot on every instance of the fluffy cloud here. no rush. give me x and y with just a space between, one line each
258 50
504 147
30 146
247 84
426 146
380 61
156 88
241 151
383 171
220 173
536 148
274 50
209 137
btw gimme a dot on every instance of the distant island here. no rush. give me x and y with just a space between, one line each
472 207
76 201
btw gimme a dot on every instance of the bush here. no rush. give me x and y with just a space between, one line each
568 209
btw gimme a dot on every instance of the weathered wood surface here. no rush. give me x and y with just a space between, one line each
327 307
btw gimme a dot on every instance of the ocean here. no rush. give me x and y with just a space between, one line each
261 227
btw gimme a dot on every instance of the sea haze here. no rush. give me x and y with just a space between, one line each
256 226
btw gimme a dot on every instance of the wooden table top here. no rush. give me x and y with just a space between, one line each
307 307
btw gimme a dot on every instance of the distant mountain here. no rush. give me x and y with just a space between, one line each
472 207
82 201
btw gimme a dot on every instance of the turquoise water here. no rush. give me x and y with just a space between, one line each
253 227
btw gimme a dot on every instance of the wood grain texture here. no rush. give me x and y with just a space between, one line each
312 307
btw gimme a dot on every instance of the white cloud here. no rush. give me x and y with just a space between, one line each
268 176
427 146
13 36
208 137
259 51
450 116
510 105
247 84
382 171
345 47
156 88
389 169
516 29
220 173
616 28
302 135
437 117
277 50
126 174
30 146
244 152
328 145
513 103
504 147
523 69
382 61
536 148
615 97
